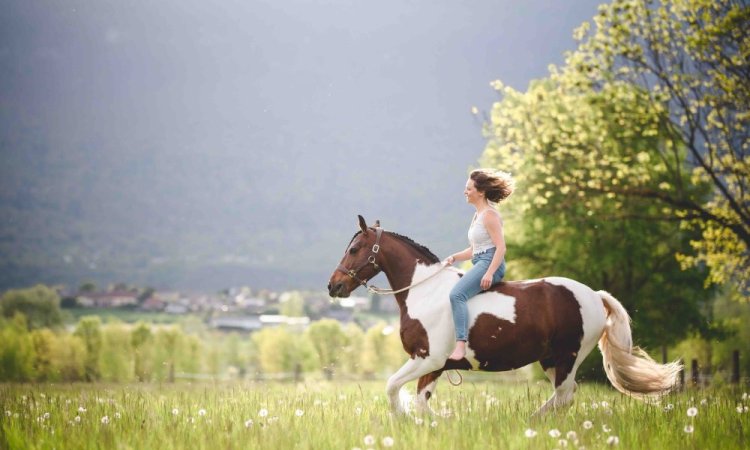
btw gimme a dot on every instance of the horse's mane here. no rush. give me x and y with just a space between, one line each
431 258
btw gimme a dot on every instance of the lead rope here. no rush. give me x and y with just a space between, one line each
460 378
376 290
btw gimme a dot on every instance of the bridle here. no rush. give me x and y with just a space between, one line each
352 273
370 260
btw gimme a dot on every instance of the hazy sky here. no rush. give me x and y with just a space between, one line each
375 96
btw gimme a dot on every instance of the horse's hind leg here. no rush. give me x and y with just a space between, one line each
425 388
548 366
413 369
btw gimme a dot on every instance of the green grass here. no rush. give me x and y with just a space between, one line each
322 415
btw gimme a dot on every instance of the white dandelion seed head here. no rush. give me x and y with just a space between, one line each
605 404
692 412
8 413
81 409
249 423
419 421
358 410
529 433
433 424
689 429
555 433
201 412
744 396
45 416
369 440
263 412
669 407
175 411
562 443
571 435
77 419
105 420
588 425
387 441
117 415
704 402
613 440
299 413
606 429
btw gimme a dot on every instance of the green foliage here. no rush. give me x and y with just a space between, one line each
281 351
40 305
116 359
329 341
292 304
651 107
16 350
90 332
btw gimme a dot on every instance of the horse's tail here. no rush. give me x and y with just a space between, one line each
629 369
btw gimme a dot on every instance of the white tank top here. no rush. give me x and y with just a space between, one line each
478 236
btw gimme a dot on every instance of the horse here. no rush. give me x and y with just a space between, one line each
556 321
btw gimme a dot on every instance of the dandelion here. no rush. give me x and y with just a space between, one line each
571 436
562 443
299 413
555 433
175 411
741 409
613 440
105 420
530 433
8 413
117 415
263 412
358 410
433 424
45 416
606 429
248 423
692 412
369 440
387 441
689 429
588 425
669 407
81 409
744 396
418 421
201 412
77 419
605 404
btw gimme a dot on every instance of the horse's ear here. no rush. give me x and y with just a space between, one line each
362 224
377 224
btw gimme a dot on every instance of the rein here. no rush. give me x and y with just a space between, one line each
352 273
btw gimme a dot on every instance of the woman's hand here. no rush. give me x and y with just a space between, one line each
486 281
450 260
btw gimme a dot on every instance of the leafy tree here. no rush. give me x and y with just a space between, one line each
280 351
43 341
329 341
653 106
39 304
141 339
352 352
117 355
16 350
89 330
69 358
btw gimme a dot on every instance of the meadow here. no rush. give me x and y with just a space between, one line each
351 415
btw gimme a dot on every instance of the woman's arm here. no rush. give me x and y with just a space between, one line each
495 229
463 255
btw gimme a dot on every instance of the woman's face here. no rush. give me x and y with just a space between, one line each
473 196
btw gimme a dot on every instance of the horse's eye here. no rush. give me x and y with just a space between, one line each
353 250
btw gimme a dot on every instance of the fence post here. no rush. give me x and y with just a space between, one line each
694 372
736 366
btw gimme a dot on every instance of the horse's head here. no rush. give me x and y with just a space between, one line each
361 261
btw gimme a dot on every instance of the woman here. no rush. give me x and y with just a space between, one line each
484 189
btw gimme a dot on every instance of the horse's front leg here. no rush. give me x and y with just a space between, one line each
413 369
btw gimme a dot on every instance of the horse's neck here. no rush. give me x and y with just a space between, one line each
425 281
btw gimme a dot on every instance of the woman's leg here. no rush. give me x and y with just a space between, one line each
467 287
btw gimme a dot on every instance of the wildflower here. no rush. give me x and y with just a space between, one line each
613 440
744 396
555 433
571 436
530 433
689 429
299 413
369 440
692 412
669 407
45 416
117 415
387 441
248 423
588 425
81 409
741 409
77 419
433 424
8 413
704 402
175 411
263 412
605 404
418 421
105 420
358 410
563 443
606 429
201 412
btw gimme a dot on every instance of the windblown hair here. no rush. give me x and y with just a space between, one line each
495 184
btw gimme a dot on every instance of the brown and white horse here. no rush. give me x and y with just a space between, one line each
556 321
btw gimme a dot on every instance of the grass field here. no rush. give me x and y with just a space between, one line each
324 415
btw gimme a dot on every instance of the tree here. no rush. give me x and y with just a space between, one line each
40 305
329 341
116 361
89 330
16 350
141 339
292 304
674 73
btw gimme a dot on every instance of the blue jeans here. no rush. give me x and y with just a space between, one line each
469 286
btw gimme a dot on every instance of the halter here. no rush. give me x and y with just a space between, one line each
371 260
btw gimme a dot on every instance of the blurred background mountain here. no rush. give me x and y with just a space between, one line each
200 145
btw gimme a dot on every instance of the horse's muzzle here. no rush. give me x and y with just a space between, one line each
338 289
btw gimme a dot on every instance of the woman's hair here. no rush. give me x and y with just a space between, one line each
495 184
